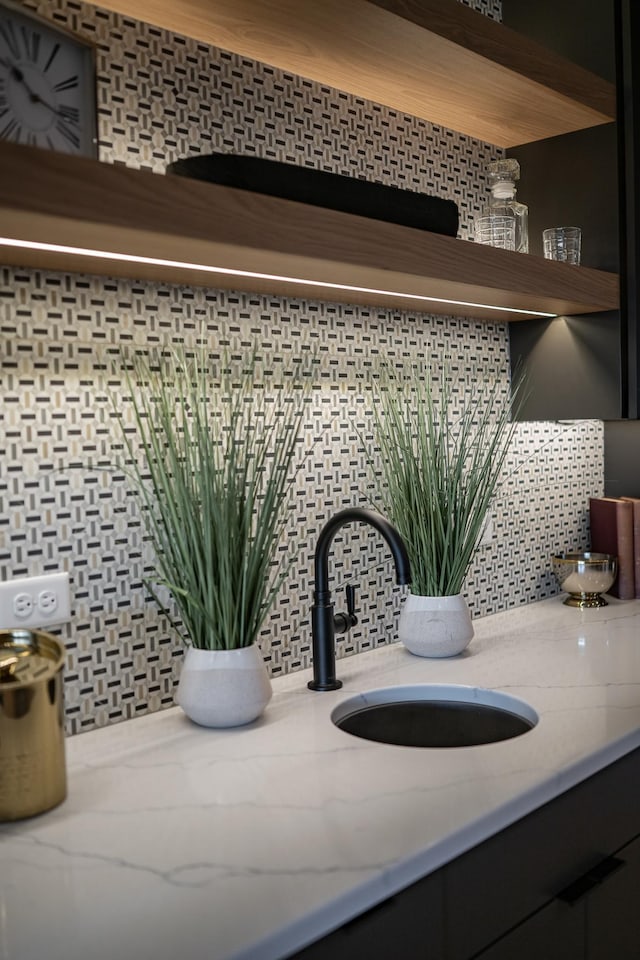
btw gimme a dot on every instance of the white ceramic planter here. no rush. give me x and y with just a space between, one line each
223 688
435 626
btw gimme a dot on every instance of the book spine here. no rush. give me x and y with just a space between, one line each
612 532
635 502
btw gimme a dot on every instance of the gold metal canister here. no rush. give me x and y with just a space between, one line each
33 776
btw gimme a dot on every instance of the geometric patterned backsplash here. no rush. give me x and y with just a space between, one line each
63 507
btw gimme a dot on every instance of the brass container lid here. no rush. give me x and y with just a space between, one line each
27 657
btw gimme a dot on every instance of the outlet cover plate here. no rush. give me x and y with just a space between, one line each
31 602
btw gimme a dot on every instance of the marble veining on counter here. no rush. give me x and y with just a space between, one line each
246 844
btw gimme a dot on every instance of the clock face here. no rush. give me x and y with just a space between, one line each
47 85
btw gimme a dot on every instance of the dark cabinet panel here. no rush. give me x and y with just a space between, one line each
561 883
523 869
628 45
573 367
408 925
622 458
613 913
573 181
557 932
575 24
582 367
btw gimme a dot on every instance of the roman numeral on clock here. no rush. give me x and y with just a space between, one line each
69 134
69 114
31 43
66 84
10 128
7 31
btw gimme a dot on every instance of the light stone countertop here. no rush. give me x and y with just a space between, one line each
181 843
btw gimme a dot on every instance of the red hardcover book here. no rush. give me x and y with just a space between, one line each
612 532
636 538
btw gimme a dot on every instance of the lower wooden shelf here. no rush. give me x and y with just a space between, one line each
59 212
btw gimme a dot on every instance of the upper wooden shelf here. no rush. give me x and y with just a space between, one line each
223 237
435 59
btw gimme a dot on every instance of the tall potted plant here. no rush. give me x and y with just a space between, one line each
210 456
438 470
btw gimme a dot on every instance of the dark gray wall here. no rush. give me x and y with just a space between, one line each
622 458
588 367
581 30
574 365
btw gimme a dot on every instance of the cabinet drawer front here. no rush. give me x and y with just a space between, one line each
408 925
554 933
512 875
613 917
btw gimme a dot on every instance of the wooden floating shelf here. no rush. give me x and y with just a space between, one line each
223 237
435 59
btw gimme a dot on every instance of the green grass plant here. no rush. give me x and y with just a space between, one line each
212 461
439 467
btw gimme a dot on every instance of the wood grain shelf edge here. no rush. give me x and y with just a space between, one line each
54 198
437 60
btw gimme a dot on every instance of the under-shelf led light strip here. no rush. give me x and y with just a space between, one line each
228 271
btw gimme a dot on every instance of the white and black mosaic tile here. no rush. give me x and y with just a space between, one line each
63 507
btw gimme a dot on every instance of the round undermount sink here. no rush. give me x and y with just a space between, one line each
434 715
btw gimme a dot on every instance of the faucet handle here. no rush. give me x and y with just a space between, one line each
350 591
342 622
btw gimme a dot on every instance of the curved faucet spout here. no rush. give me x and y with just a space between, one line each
322 612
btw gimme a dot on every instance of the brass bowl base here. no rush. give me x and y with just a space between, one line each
585 600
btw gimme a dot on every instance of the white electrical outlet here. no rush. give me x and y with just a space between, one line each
35 601
23 605
47 602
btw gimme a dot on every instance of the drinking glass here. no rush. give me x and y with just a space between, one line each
562 243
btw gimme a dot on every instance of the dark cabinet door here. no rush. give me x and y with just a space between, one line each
533 883
600 921
613 911
563 883
408 925
557 932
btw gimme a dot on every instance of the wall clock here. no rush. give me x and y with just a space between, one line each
47 84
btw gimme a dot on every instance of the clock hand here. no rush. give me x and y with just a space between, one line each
18 75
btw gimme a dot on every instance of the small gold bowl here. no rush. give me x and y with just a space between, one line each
585 576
